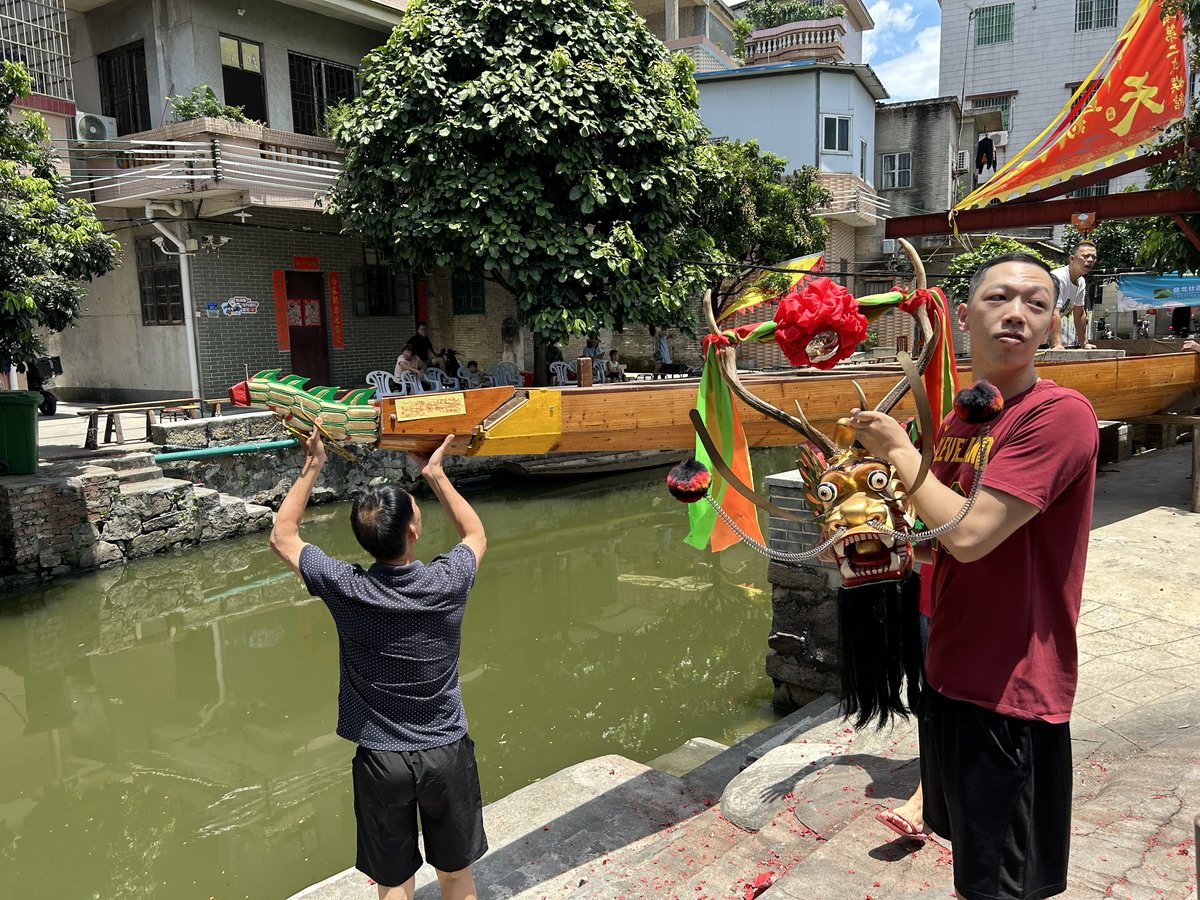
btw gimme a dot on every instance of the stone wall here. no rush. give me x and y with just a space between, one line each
804 625
73 517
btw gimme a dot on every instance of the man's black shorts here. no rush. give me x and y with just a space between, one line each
391 785
1000 789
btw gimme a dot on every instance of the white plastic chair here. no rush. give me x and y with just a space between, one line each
599 371
505 373
561 373
383 382
412 382
439 380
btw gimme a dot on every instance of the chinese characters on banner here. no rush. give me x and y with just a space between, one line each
335 310
1143 91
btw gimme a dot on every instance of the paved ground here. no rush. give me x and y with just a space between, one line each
800 819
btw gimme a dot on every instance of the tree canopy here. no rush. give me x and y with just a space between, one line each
963 266
756 213
553 145
53 244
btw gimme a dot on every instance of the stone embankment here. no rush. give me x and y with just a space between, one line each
77 516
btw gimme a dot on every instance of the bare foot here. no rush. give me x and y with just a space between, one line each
908 819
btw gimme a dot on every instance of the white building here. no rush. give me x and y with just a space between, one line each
1025 60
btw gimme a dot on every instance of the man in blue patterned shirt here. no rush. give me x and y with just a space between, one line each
399 627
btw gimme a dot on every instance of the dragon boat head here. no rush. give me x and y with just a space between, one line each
862 509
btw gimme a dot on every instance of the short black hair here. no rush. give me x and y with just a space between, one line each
1018 257
380 518
419 324
472 363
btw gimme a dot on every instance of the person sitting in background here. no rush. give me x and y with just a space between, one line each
422 346
476 378
407 361
616 371
437 362
592 349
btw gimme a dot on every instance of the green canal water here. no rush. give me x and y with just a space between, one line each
166 728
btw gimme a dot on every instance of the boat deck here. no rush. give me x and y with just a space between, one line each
653 415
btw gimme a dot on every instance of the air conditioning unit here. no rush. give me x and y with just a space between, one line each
999 138
888 246
94 127
962 161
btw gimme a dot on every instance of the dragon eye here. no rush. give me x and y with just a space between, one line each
877 480
826 492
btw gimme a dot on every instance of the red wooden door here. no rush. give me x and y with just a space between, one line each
306 326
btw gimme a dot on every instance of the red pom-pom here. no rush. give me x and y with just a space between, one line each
689 481
820 306
979 403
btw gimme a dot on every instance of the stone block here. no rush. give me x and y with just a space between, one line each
187 435
230 430
1116 442
790 670
147 544
122 525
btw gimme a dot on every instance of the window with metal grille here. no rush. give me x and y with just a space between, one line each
468 290
124 94
242 76
159 285
34 33
1099 189
317 85
1092 14
1004 104
836 132
897 171
993 24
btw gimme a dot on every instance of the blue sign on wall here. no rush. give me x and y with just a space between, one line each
1161 290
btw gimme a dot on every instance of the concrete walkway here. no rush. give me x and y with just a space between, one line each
799 819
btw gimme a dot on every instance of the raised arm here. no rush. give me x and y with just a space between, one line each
285 536
462 516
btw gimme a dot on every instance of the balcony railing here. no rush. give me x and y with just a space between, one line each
856 206
797 40
205 159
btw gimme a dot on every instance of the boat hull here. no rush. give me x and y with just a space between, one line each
653 415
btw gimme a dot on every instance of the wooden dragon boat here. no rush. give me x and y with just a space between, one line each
653 415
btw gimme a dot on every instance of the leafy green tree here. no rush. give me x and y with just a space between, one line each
756 213
772 13
552 145
963 266
52 244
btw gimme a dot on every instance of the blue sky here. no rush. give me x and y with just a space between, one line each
903 47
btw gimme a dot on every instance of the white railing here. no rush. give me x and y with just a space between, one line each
270 171
796 37
857 202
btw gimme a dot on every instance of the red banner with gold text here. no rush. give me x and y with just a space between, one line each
1143 90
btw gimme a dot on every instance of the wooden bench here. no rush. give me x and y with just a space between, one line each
189 406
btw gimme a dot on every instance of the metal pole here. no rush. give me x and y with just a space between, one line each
1196 468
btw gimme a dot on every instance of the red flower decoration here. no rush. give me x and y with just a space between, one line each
820 306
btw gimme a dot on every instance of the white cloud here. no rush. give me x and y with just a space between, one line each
891 19
914 75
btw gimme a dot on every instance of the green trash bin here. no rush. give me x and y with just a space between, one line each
18 432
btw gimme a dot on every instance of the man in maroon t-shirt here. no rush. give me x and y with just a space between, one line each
1007 583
